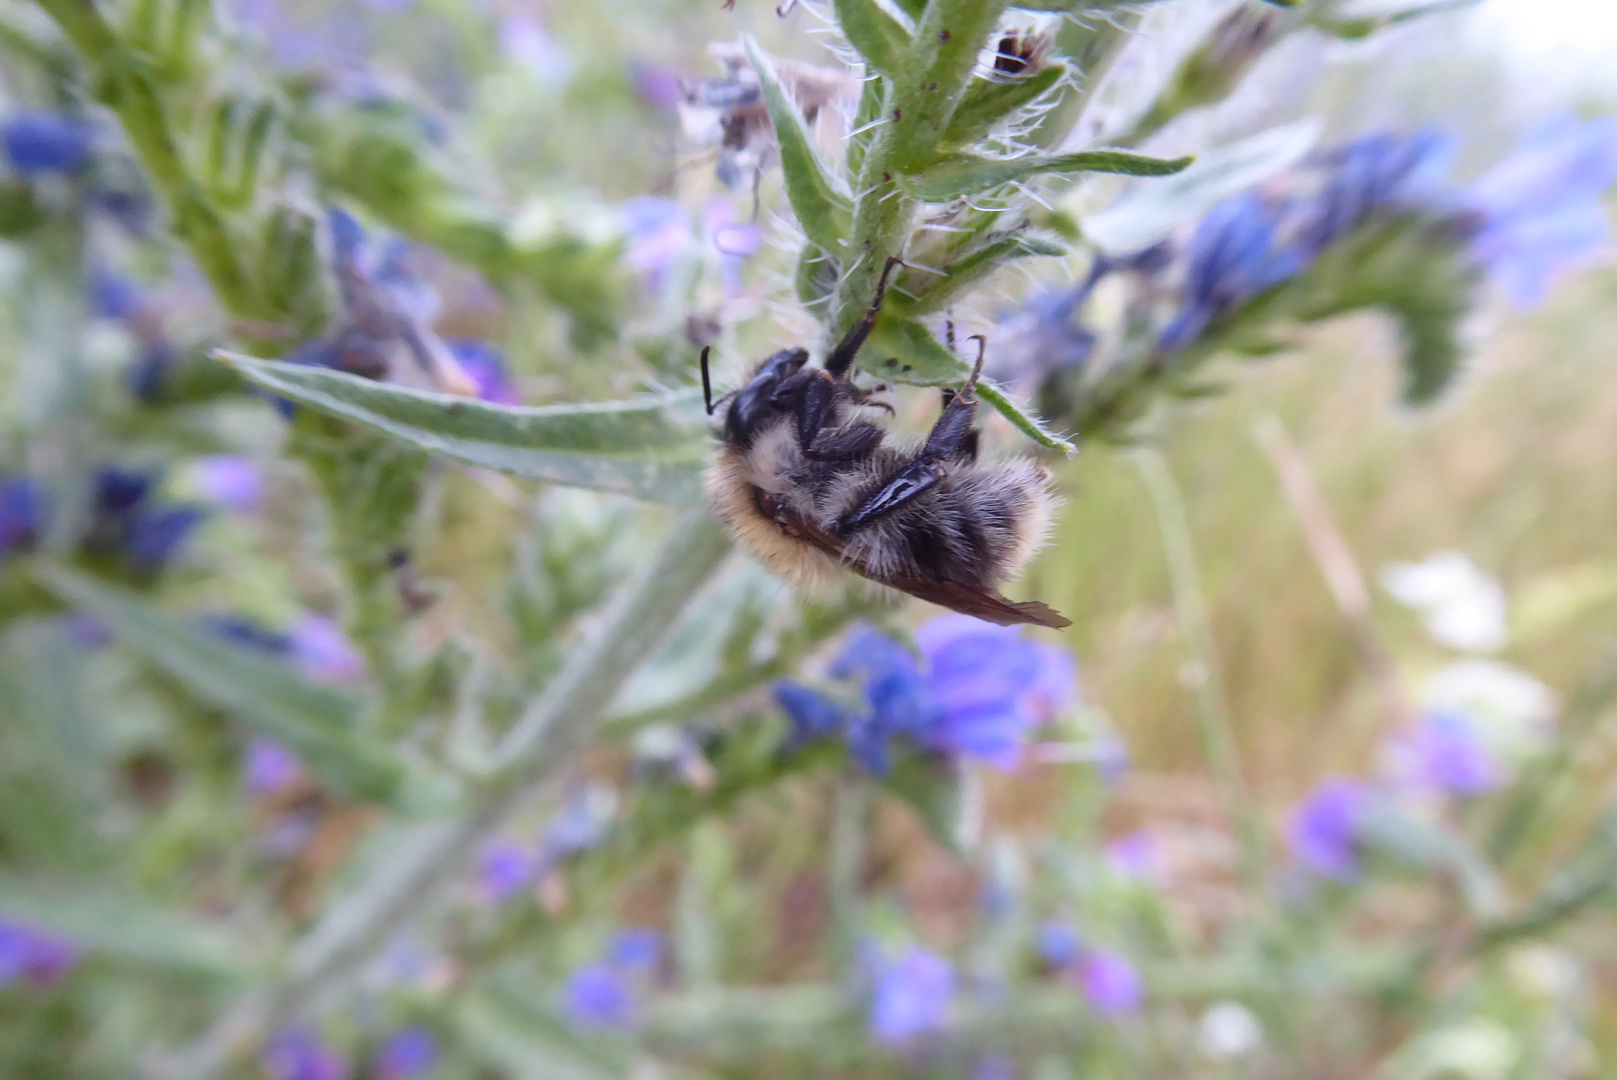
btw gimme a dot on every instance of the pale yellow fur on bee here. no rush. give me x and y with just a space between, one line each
730 482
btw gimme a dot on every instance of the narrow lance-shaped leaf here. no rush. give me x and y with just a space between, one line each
1157 209
122 928
972 267
988 102
959 175
912 355
653 448
821 202
876 34
262 693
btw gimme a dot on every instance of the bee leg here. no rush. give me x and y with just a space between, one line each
841 357
952 438
850 444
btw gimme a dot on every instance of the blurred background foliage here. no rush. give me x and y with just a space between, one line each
348 729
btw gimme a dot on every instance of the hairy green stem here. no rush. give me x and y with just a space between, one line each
122 81
933 74
546 743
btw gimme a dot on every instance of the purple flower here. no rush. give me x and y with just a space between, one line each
977 692
22 513
659 234
233 482
657 86
1539 212
1110 982
1042 336
269 768
1234 254
36 143
911 996
1058 944
813 716
637 948
34 956
581 824
1368 174
113 296
524 39
484 365
1325 829
130 521
598 995
735 241
323 653
995 1067
1134 856
992 687
407 1053
298 1054
505 869
1446 754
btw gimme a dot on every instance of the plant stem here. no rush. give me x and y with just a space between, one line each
933 75
1212 710
121 80
545 743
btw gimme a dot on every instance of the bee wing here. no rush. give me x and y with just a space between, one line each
985 604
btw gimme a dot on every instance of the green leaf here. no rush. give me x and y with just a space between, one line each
653 448
912 355
1027 423
501 1027
1155 210
1080 7
939 793
263 694
1390 830
876 34
939 289
821 201
958 175
120 928
915 357
989 101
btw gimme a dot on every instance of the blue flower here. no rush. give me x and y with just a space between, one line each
1446 754
22 513
637 948
911 996
1234 254
322 652
33 956
36 143
235 483
602 994
977 691
505 868
598 995
1325 829
407 1053
1369 174
1110 982
113 296
299 1054
247 632
1058 944
269 768
484 365
1539 212
813 716
131 522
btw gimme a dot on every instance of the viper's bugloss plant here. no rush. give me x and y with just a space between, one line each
379 696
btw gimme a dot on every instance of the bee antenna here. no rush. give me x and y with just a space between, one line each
707 382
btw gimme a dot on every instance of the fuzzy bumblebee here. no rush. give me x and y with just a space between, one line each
809 485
